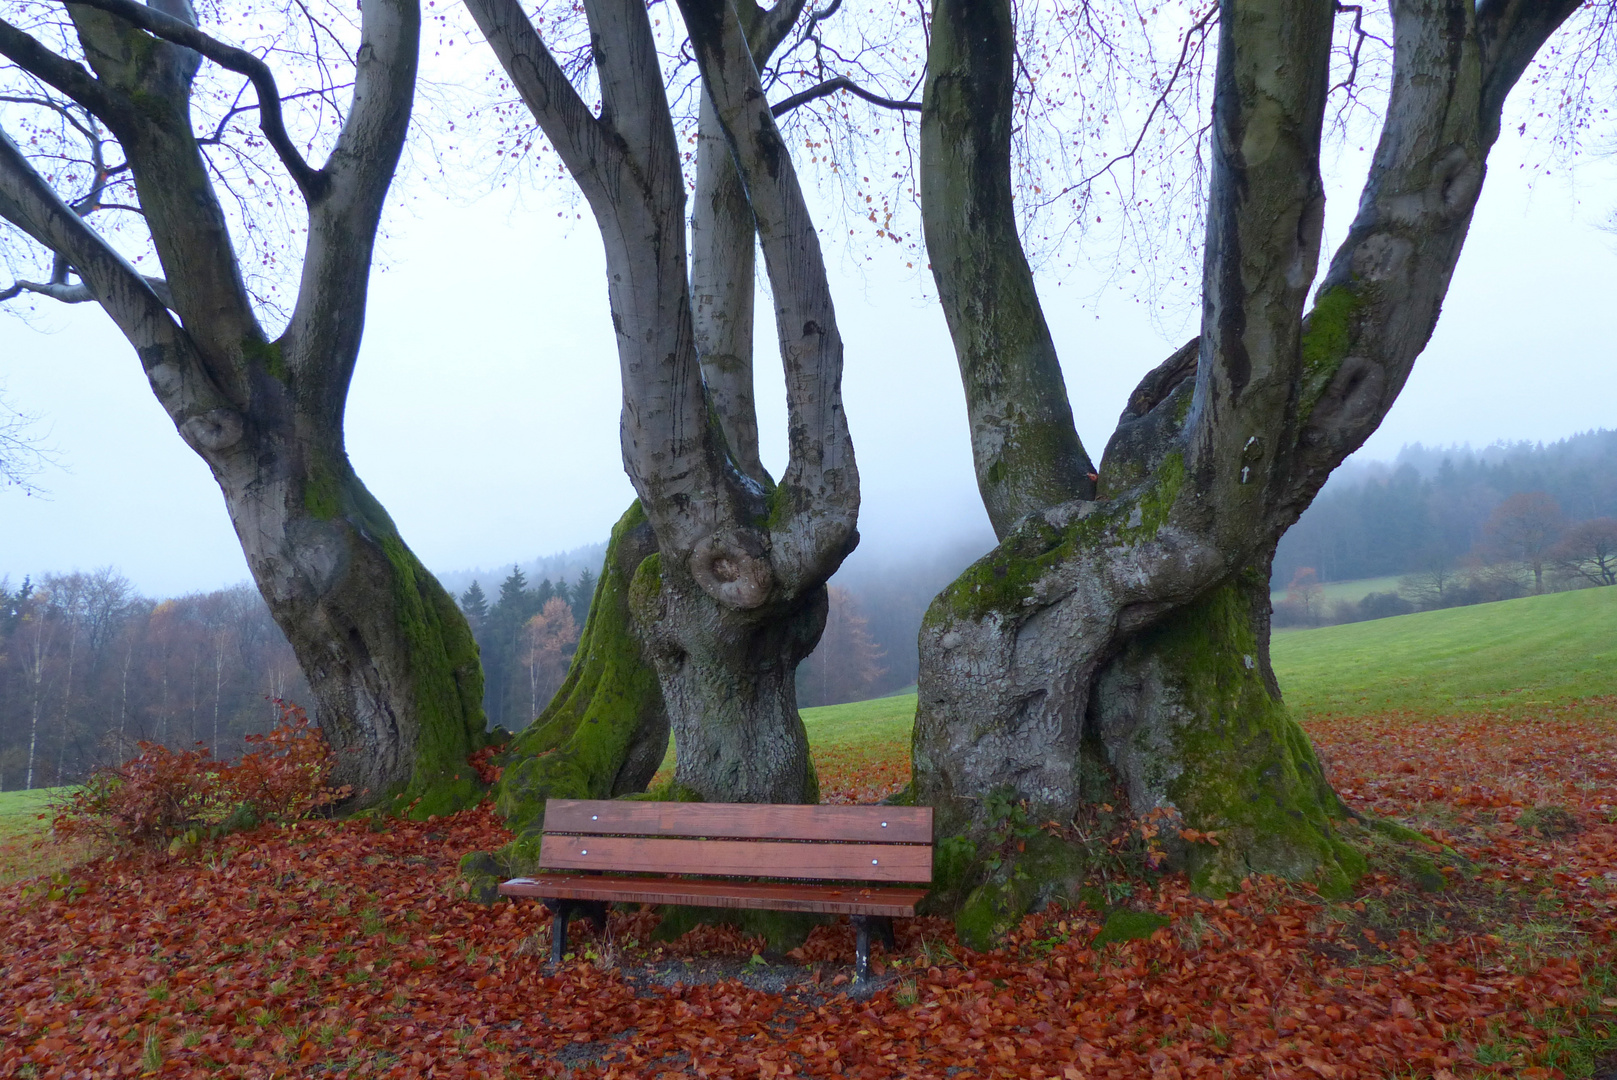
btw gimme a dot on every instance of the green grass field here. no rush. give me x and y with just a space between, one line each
1512 653
26 804
1356 590
21 854
885 719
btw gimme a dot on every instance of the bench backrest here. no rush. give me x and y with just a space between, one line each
838 843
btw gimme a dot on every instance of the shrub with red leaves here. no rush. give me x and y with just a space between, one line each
284 776
161 794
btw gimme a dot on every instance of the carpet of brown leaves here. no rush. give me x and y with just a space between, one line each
330 949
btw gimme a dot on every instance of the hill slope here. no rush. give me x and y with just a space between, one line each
1514 652
1489 656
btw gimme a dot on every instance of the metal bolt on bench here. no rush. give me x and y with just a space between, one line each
861 861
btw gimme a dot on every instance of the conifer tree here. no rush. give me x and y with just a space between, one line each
475 605
582 593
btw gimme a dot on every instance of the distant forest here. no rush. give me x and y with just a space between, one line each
527 634
88 667
1432 506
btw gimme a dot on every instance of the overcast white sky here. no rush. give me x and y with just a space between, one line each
484 414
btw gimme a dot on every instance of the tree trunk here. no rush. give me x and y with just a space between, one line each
1190 718
1085 662
730 679
739 575
605 731
1025 449
389 657
723 244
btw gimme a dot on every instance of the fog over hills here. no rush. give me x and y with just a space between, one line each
561 566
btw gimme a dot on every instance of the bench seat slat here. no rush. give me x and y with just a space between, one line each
741 821
741 858
895 902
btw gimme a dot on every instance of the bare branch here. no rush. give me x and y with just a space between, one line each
831 86
78 292
544 87
65 75
28 202
1360 35
21 455
771 27
310 181
237 109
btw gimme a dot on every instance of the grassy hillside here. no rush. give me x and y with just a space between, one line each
879 720
1515 652
26 804
844 729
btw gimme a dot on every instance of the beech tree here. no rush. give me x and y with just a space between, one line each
1588 552
388 655
715 579
1523 529
1117 639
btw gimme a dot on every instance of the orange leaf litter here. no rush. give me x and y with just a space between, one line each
331 950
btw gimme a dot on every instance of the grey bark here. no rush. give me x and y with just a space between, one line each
386 652
1131 632
1025 448
738 584
722 260
722 268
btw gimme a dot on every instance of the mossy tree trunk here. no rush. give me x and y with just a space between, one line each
388 655
387 652
605 731
1117 638
735 595
731 684
1189 718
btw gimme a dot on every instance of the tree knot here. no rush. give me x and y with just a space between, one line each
731 567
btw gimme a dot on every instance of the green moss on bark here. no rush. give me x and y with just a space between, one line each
1000 581
991 878
1326 341
606 729
322 495
268 356
436 657
448 680
1236 763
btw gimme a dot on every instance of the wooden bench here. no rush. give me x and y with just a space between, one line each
861 861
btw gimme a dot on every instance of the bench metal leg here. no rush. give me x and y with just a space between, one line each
863 924
561 912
